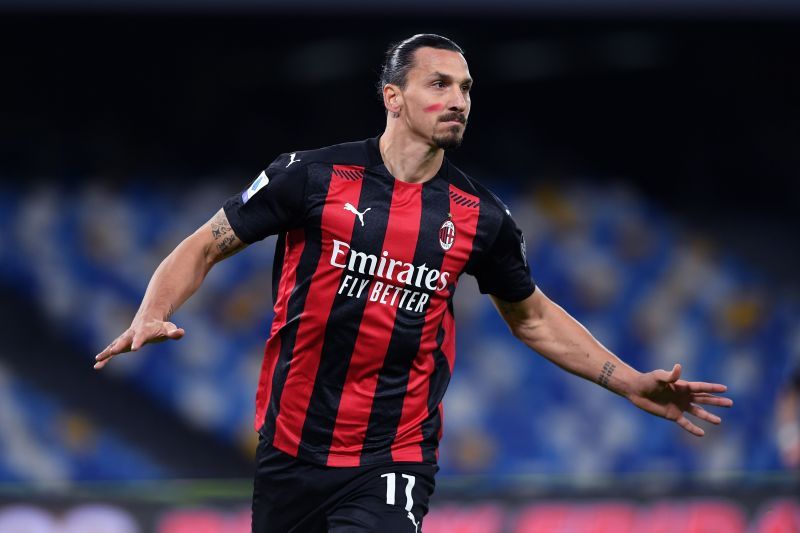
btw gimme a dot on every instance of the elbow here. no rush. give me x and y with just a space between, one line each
196 251
525 331
519 335
200 248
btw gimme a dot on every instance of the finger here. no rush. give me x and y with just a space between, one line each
702 414
100 364
138 341
108 350
141 338
145 337
701 386
683 422
119 345
710 399
105 352
104 357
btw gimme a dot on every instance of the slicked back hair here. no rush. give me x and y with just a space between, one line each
400 58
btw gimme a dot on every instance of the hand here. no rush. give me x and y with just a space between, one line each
139 334
661 393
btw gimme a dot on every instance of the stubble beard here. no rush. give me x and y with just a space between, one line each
450 140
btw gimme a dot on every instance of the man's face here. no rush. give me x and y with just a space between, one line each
436 99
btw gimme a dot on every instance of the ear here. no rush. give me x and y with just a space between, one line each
392 99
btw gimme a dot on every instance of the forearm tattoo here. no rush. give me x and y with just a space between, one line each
224 237
608 369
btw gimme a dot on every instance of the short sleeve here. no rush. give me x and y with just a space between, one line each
503 269
273 203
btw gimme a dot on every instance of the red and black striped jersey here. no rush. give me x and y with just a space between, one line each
362 344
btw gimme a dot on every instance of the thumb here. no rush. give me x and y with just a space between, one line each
668 376
172 331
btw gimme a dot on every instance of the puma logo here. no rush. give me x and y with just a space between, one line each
413 521
349 207
292 159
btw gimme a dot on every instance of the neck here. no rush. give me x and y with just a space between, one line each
409 158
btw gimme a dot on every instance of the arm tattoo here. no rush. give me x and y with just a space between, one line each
608 369
223 235
220 225
225 244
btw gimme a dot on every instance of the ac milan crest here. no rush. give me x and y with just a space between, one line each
447 234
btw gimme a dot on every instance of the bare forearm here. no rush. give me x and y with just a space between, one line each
174 281
548 329
178 276
564 341
553 333
183 271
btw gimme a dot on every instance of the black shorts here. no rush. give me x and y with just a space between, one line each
290 495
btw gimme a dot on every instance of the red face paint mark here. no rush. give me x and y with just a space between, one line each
434 107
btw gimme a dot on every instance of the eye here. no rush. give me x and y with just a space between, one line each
439 84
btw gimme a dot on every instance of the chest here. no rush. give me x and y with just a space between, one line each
366 220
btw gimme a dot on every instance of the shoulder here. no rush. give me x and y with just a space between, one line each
468 186
348 153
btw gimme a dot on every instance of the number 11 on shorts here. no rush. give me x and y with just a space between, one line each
390 489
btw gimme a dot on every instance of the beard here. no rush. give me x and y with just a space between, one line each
455 134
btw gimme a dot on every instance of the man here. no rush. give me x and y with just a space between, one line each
373 237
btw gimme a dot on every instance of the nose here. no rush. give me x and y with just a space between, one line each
458 100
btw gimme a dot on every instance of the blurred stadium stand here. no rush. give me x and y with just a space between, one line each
45 443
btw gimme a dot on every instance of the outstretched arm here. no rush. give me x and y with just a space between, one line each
547 328
174 281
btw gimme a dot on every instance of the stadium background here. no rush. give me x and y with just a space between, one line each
650 154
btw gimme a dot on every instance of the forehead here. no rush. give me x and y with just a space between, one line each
428 61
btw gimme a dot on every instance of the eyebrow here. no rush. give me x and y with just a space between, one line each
447 77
